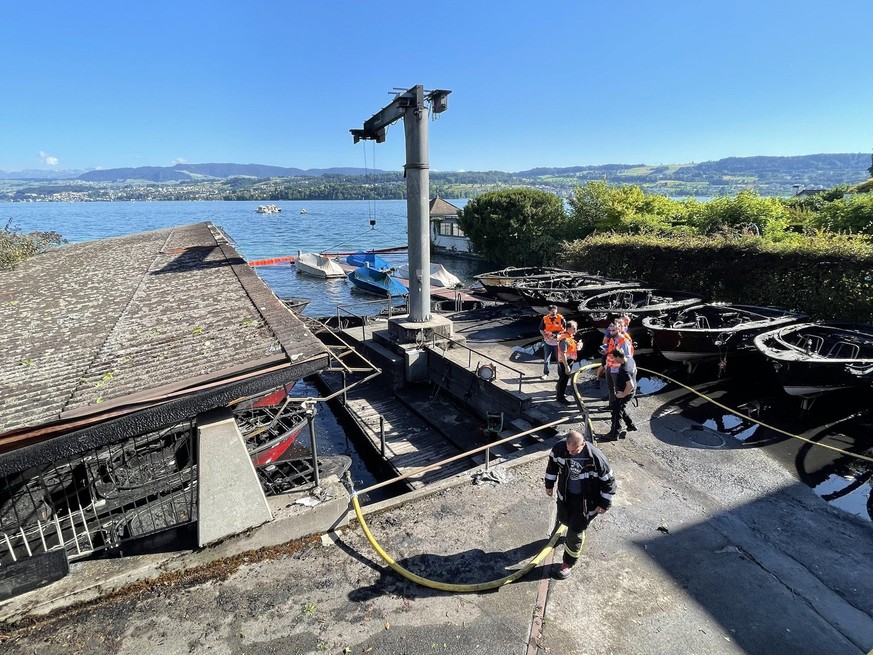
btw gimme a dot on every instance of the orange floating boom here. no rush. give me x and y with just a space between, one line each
272 262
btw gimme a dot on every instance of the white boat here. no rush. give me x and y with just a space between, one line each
439 276
268 209
303 211
311 263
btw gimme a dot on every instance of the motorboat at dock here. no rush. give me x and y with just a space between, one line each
369 259
814 358
310 263
713 330
378 283
439 276
638 303
567 293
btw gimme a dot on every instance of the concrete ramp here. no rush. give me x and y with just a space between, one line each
230 498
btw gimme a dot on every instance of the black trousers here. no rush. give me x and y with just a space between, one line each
563 378
571 512
619 414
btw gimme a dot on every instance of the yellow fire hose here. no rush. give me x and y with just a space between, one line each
457 588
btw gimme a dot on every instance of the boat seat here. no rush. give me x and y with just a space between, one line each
811 344
703 323
844 350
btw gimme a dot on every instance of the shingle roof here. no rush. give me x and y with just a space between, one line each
130 321
440 207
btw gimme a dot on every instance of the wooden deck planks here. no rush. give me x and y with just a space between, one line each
409 442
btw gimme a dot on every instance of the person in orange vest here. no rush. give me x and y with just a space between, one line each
619 340
568 351
551 325
625 385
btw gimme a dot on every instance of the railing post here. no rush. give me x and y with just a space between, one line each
487 459
382 435
310 417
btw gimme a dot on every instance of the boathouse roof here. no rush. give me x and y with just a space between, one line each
159 326
440 207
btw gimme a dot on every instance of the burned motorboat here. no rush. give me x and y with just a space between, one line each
567 293
813 358
501 284
637 302
713 330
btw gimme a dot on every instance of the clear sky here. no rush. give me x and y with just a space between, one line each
124 83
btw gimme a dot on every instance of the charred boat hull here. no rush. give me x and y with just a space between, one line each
815 358
713 331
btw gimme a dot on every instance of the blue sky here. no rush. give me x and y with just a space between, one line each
111 84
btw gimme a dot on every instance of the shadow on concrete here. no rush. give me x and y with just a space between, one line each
472 566
779 573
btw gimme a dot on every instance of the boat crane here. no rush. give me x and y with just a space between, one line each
412 107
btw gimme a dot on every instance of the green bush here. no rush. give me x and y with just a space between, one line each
828 276
16 246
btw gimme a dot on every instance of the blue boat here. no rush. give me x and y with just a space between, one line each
378 283
370 259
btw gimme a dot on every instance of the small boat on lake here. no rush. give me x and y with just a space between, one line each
814 358
500 284
439 276
303 211
713 330
378 283
370 259
310 263
294 303
268 209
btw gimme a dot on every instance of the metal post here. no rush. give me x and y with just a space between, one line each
487 459
345 386
382 435
417 203
310 418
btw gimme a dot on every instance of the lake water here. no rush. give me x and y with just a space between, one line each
328 226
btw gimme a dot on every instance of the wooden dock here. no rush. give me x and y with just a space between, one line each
409 442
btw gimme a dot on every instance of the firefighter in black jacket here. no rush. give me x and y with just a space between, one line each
581 476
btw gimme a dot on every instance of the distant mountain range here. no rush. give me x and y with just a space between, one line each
179 173
821 169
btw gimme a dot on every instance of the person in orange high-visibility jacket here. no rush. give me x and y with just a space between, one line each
568 351
551 325
619 340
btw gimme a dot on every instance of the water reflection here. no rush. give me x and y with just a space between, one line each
819 462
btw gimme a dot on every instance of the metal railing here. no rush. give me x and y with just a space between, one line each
101 498
470 352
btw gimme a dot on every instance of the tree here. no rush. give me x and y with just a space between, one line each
518 227
870 170
599 207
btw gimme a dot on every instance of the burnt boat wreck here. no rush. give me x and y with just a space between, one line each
713 330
